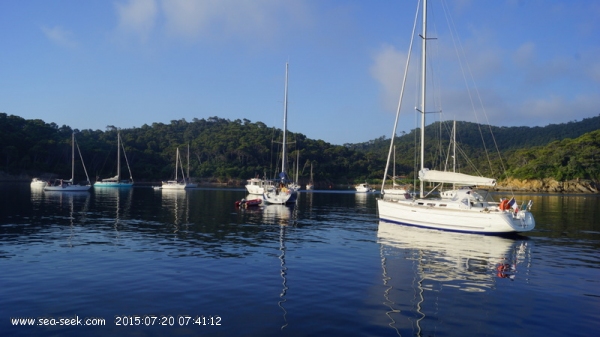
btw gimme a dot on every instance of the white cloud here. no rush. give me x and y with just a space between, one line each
558 108
137 17
60 36
259 19
388 69
525 54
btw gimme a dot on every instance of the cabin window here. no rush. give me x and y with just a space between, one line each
442 205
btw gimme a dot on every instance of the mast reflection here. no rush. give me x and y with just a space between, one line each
285 217
425 271
116 202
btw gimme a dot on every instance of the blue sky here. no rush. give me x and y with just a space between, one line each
126 63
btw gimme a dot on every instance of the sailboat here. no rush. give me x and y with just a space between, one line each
310 184
116 180
294 185
282 193
185 182
69 185
396 189
461 209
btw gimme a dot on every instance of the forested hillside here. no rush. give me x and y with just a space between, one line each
232 150
219 149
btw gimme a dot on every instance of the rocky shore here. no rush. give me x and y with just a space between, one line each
549 185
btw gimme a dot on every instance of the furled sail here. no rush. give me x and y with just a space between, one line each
454 178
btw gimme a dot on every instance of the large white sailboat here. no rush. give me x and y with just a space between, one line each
116 180
185 182
461 209
282 193
69 185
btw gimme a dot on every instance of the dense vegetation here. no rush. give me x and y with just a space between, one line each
227 150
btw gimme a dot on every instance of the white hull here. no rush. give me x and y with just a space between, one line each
68 188
37 183
256 186
255 189
395 191
486 220
363 188
309 187
177 186
112 184
282 197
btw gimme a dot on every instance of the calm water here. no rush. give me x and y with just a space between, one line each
323 267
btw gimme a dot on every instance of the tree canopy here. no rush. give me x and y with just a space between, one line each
237 150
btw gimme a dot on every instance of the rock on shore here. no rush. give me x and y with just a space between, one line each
549 185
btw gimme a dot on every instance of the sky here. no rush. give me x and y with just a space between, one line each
126 63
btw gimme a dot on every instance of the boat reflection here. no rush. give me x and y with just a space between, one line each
61 200
279 214
361 199
117 202
421 267
76 204
177 200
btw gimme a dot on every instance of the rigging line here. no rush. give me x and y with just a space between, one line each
455 40
126 160
82 163
387 165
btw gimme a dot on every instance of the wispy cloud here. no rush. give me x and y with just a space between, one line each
223 18
60 36
388 69
137 17
249 20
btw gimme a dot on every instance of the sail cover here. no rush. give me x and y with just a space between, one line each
454 178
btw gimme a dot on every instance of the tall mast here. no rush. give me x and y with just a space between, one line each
454 150
283 155
454 146
188 164
118 157
73 158
423 77
176 163
297 166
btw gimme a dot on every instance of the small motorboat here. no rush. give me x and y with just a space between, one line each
248 203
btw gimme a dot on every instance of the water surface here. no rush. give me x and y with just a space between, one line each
325 266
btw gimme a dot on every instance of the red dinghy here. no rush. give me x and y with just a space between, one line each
248 203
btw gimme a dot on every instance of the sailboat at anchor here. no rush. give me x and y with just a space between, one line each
64 185
282 192
186 181
461 209
116 180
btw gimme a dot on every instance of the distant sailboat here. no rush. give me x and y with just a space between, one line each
282 193
64 185
185 182
310 184
116 180
396 189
